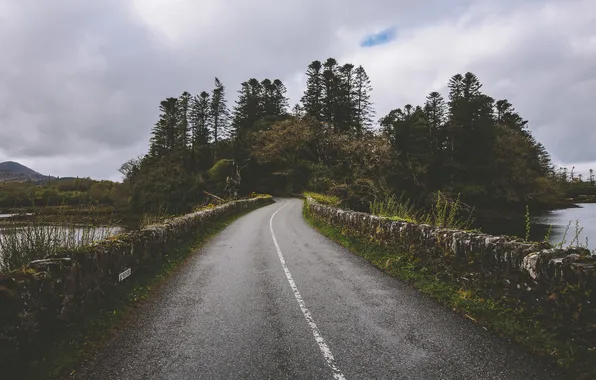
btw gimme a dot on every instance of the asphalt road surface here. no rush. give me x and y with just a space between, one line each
270 298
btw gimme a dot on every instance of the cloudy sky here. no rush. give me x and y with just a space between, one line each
80 81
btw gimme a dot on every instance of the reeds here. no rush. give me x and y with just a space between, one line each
36 238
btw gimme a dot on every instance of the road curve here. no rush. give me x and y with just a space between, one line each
253 304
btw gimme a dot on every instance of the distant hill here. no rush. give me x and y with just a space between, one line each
11 171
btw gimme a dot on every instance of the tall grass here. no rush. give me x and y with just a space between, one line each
528 224
157 217
575 242
444 212
576 231
324 199
36 239
396 208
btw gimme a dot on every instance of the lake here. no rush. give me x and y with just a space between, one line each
559 219
52 235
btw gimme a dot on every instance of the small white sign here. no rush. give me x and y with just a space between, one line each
124 274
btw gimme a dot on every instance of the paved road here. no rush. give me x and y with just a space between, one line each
307 309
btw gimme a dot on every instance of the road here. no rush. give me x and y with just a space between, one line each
270 298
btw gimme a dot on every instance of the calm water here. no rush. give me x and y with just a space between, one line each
64 235
559 219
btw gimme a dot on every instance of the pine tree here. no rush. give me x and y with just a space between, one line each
280 99
471 86
330 92
471 131
363 110
407 131
267 95
435 110
455 89
312 100
453 127
273 98
183 125
249 109
201 123
219 115
506 115
344 106
165 132
503 107
200 120
297 111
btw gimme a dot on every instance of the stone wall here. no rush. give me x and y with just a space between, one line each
53 292
559 283
540 261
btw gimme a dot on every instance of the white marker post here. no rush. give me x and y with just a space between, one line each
124 274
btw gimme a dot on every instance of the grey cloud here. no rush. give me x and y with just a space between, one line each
83 79
550 86
62 63
92 74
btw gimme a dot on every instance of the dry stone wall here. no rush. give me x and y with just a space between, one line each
53 292
540 261
558 286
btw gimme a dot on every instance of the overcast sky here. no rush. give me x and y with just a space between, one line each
80 81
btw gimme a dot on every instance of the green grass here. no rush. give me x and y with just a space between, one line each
61 358
493 314
324 199
444 213
395 209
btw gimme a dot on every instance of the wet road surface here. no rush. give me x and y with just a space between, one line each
270 298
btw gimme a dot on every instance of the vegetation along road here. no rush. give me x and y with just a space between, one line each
270 298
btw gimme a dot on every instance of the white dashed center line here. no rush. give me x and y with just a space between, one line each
337 374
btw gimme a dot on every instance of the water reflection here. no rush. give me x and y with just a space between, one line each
5 216
585 215
52 236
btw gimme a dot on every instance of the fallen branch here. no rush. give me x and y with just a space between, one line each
214 196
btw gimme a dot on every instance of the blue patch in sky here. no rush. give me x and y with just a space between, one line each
380 38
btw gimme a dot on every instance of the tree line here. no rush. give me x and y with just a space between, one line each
464 143
63 192
577 185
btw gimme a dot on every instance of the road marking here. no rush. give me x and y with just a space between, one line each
309 319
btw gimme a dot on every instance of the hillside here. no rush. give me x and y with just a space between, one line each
11 171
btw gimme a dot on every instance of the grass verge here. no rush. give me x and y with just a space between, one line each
60 359
494 315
